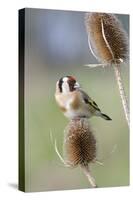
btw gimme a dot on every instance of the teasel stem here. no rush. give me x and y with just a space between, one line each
117 69
87 173
108 42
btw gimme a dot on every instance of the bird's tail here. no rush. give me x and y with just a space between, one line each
106 117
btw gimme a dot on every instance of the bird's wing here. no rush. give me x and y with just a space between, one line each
88 100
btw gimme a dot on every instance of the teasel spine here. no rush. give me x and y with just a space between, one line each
108 42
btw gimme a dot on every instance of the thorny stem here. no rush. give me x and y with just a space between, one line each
122 92
89 176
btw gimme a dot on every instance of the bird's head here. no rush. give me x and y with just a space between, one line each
67 84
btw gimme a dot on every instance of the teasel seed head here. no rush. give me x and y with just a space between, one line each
107 38
79 143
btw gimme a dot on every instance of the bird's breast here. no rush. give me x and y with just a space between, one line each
72 105
68 101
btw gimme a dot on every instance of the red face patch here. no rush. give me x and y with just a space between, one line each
72 78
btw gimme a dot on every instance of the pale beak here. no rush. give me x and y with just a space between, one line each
76 85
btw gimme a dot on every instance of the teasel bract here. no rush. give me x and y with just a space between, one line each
108 42
80 146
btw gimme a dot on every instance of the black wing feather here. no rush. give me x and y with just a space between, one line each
89 101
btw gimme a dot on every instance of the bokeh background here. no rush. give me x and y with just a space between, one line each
56 45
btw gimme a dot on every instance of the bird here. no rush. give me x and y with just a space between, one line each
74 102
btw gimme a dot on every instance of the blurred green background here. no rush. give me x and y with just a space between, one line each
56 45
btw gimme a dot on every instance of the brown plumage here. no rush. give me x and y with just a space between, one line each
79 143
107 38
63 98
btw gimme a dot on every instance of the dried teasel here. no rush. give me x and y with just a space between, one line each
107 38
108 42
80 146
79 142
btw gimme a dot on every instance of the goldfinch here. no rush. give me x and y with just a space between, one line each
74 102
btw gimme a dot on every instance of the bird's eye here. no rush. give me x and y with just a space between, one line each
71 83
